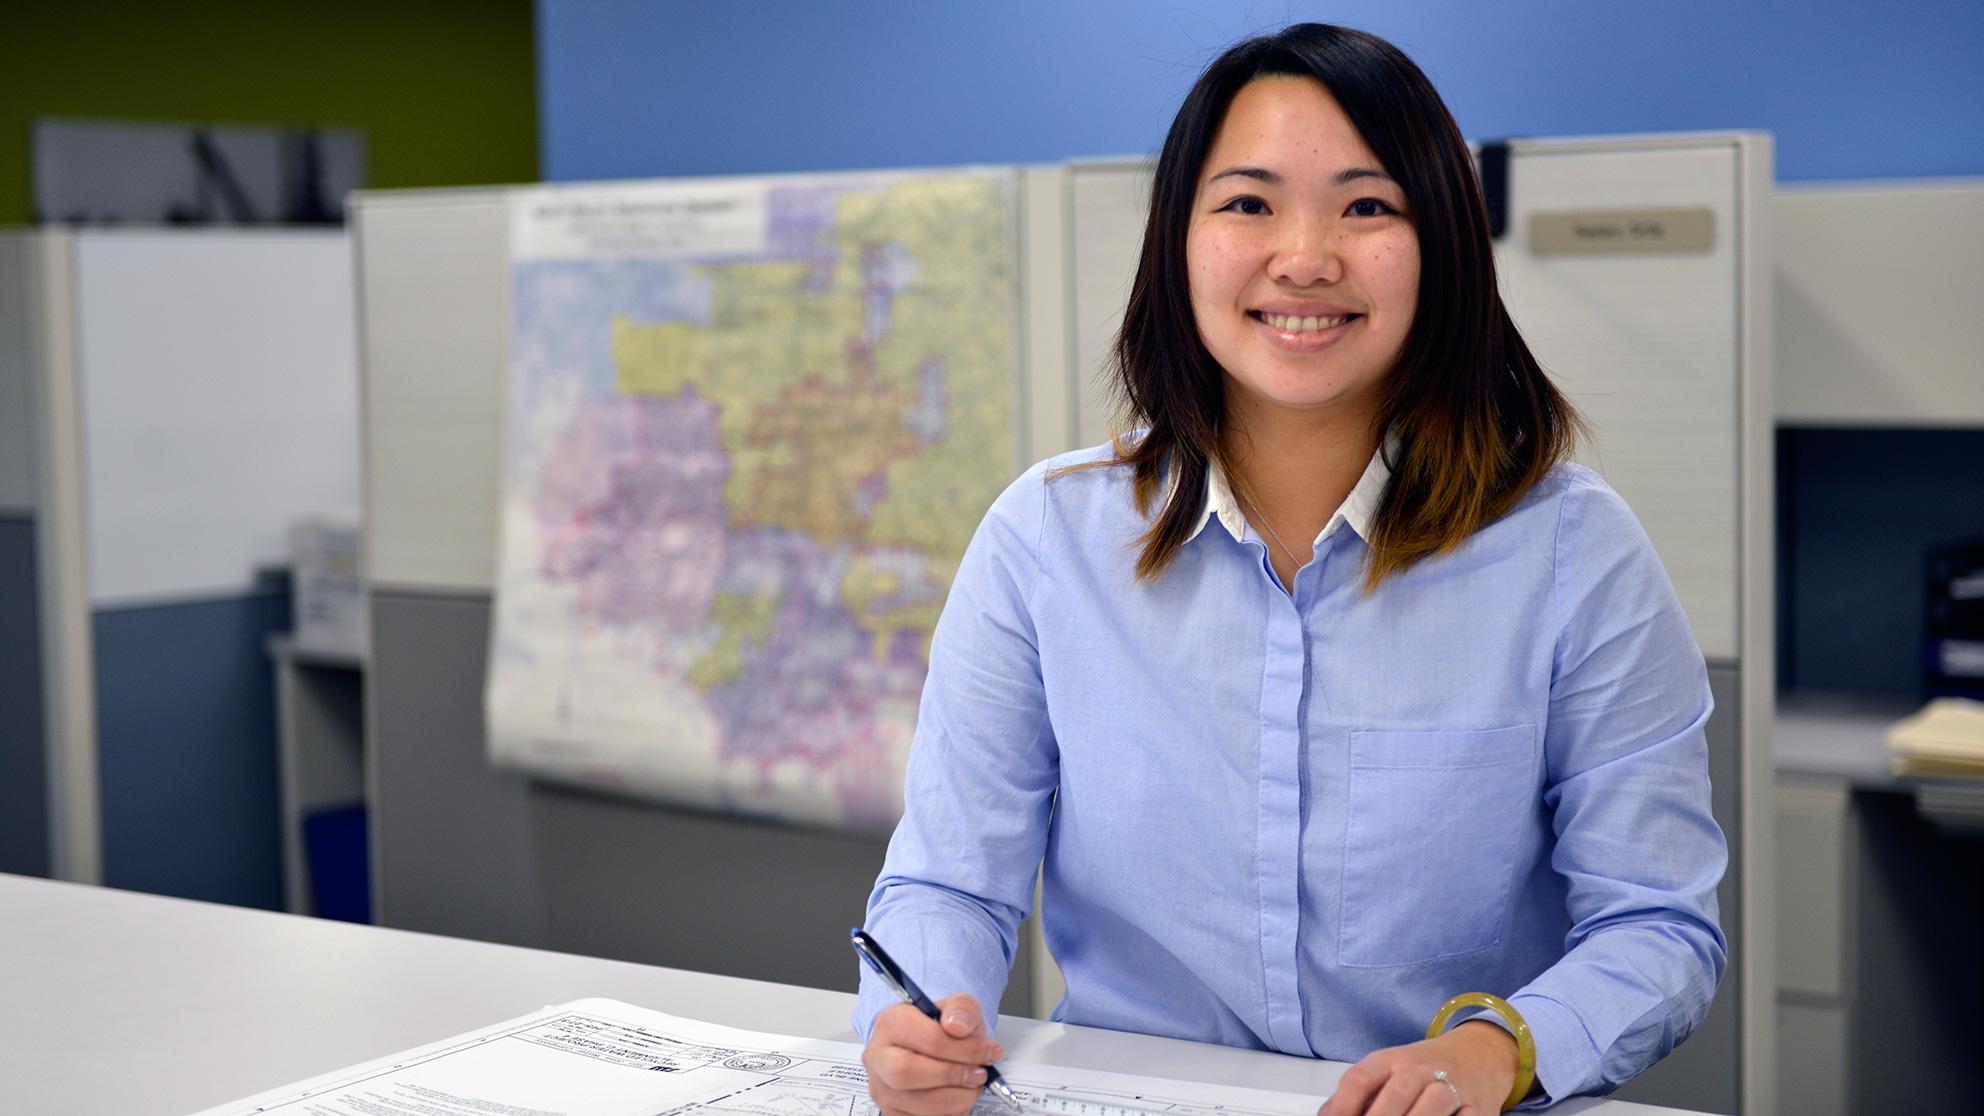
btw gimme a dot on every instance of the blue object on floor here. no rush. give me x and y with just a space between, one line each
334 846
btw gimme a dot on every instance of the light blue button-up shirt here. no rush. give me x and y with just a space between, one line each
1301 820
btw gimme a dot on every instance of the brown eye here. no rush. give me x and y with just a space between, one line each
1239 204
1370 207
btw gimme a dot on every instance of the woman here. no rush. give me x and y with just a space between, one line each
1295 798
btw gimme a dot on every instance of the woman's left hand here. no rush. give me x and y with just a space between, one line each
1480 1063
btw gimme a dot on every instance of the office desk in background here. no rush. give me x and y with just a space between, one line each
115 1002
1880 906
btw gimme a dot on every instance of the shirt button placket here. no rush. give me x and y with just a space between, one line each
1284 672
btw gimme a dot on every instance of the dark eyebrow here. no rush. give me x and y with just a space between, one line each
1355 173
1267 176
1262 174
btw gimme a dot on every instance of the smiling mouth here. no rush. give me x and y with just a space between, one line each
1292 323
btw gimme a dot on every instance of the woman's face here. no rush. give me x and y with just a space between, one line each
1304 262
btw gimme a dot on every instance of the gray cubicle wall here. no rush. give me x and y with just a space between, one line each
459 847
1706 1072
470 851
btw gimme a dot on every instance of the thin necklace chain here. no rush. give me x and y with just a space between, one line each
1272 533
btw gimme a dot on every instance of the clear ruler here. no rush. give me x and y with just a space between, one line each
1061 1104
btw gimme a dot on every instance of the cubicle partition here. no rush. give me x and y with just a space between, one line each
1881 436
1669 356
188 393
50 745
24 807
1882 418
1666 350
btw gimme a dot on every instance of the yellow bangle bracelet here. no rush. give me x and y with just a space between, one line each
1525 1042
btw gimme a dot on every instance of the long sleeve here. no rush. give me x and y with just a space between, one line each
1627 785
980 783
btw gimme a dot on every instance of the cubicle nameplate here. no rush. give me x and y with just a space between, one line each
1622 230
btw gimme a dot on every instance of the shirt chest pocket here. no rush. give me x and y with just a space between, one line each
1435 820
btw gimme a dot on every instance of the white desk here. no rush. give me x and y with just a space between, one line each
115 1002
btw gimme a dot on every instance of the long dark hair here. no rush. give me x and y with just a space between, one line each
1477 420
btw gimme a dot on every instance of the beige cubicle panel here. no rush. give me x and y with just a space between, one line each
434 336
1876 287
1671 362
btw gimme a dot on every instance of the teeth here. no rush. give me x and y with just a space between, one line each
1294 324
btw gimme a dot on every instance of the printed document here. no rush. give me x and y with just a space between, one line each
605 1058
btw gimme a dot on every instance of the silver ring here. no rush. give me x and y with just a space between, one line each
1441 1077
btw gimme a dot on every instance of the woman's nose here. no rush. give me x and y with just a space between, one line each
1306 256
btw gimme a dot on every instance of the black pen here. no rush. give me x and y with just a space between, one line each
885 967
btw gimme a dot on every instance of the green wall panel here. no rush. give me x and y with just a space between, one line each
445 90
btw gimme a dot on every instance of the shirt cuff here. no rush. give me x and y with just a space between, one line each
1566 1060
876 996
941 965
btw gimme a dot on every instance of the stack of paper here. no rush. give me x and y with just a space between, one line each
1945 739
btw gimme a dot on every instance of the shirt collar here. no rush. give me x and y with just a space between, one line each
1358 510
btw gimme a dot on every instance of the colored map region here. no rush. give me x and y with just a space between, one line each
740 475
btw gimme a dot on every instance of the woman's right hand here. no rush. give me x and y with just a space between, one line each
920 1067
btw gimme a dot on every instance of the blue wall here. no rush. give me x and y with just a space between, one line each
633 88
